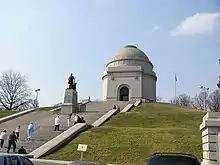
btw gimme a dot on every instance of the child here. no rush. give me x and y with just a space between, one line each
69 119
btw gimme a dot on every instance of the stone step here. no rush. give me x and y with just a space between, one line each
105 105
44 124
44 127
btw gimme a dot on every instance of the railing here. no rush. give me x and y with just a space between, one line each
147 100
86 100
58 105
56 111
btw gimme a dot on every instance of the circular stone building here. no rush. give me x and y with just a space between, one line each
129 76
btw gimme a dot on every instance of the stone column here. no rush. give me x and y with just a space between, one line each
210 128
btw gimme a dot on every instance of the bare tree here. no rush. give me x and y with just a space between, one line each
214 101
34 103
193 102
31 103
175 101
182 99
14 91
198 100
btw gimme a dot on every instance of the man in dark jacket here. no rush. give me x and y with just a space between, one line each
22 150
12 139
82 120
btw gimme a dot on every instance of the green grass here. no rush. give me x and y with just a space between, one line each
131 137
45 108
4 113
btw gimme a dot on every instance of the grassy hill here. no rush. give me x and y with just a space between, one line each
45 108
4 113
131 137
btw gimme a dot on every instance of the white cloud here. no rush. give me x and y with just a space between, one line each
197 24
155 28
151 31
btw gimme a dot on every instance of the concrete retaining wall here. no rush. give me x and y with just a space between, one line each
60 140
49 162
4 119
127 108
85 101
104 118
55 109
112 112
54 162
137 103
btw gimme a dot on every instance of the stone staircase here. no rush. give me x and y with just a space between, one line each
96 106
44 128
44 123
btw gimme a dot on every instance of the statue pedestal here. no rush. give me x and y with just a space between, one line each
70 96
70 104
67 108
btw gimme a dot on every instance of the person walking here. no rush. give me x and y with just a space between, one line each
3 137
17 131
30 130
69 119
12 139
57 123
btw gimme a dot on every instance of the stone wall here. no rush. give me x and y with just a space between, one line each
210 128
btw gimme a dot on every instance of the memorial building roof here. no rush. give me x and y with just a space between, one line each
130 52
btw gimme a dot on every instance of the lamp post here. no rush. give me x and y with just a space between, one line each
205 90
37 90
218 84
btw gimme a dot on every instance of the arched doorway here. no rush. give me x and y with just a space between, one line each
124 94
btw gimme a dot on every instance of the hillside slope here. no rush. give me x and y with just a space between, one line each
131 137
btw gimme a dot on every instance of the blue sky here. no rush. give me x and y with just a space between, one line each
47 39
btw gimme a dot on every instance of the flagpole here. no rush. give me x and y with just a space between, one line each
175 79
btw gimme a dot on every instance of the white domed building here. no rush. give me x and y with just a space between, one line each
129 76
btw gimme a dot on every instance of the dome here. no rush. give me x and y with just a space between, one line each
130 52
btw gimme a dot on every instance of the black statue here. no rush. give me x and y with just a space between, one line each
71 82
